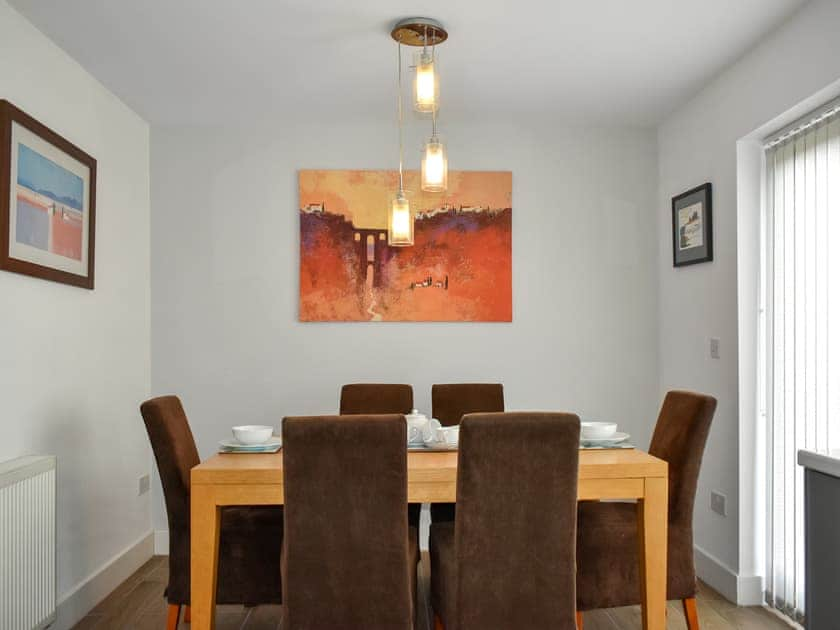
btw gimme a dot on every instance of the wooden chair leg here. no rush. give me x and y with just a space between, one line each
438 623
690 608
579 620
187 616
172 616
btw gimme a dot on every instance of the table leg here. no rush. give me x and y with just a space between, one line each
653 552
204 556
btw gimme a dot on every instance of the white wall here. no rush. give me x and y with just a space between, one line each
75 364
225 335
697 144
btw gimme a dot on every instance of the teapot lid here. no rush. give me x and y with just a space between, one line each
415 414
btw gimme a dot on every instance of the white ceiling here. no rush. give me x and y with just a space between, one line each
212 61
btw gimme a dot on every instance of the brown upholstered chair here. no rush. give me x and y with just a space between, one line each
349 557
373 398
607 551
450 402
508 561
250 540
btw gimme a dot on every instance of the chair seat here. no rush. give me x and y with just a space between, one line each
444 571
608 557
250 542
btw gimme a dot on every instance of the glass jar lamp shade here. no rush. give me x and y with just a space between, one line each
434 167
426 84
400 222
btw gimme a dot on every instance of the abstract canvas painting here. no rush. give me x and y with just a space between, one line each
458 270
47 206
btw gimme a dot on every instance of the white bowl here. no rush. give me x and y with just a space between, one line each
597 430
252 434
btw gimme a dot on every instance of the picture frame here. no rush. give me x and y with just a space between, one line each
47 202
691 226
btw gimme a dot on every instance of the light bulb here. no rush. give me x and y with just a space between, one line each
400 222
426 97
434 167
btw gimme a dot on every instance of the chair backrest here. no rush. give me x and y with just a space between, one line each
450 402
175 452
680 439
345 541
515 528
374 398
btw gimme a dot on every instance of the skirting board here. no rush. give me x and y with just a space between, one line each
161 542
79 601
744 590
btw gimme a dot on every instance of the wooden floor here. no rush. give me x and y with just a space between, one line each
138 604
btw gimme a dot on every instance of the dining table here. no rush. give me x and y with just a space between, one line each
257 479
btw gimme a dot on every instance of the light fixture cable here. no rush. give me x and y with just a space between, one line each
434 109
400 111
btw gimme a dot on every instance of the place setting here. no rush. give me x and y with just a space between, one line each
251 438
428 434
602 435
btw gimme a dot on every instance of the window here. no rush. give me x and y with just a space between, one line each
800 329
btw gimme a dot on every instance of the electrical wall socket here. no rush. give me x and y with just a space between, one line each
718 503
143 485
714 348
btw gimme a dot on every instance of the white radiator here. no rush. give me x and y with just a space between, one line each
27 543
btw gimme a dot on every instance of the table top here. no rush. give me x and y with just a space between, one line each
259 468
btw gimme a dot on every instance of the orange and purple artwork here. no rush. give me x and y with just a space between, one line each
458 270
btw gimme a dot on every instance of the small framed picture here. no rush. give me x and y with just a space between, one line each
691 216
47 202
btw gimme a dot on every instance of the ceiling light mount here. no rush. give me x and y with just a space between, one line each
419 31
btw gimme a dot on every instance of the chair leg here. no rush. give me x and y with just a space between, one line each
187 616
579 620
172 616
690 608
438 623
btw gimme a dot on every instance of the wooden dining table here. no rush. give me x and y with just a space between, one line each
257 479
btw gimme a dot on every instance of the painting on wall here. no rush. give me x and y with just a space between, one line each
458 270
691 218
47 202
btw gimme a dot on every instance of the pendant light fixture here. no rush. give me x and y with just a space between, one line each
425 33
434 168
400 218
426 83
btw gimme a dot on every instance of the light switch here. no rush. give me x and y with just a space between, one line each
714 348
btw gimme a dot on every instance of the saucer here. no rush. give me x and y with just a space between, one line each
615 438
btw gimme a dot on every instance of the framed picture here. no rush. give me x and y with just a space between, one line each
47 202
691 216
458 270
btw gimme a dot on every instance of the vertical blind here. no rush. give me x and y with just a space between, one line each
800 356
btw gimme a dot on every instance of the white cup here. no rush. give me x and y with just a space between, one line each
449 435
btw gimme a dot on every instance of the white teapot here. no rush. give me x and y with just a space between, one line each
418 428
